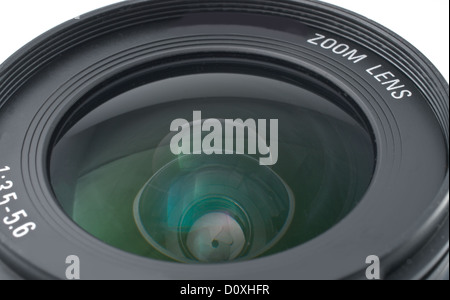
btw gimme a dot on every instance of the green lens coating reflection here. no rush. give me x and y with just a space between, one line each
252 205
114 174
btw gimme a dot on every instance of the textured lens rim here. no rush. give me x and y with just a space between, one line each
17 72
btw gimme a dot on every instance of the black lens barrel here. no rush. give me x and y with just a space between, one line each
89 169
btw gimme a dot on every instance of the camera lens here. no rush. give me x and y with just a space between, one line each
114 173
186 139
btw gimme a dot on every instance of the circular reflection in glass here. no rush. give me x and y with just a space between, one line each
216 208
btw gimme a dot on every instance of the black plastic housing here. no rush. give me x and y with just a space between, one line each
403 218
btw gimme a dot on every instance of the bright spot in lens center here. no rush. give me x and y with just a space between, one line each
216 237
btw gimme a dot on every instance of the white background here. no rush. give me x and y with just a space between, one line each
423 23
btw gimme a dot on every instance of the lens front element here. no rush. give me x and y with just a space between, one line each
213 168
